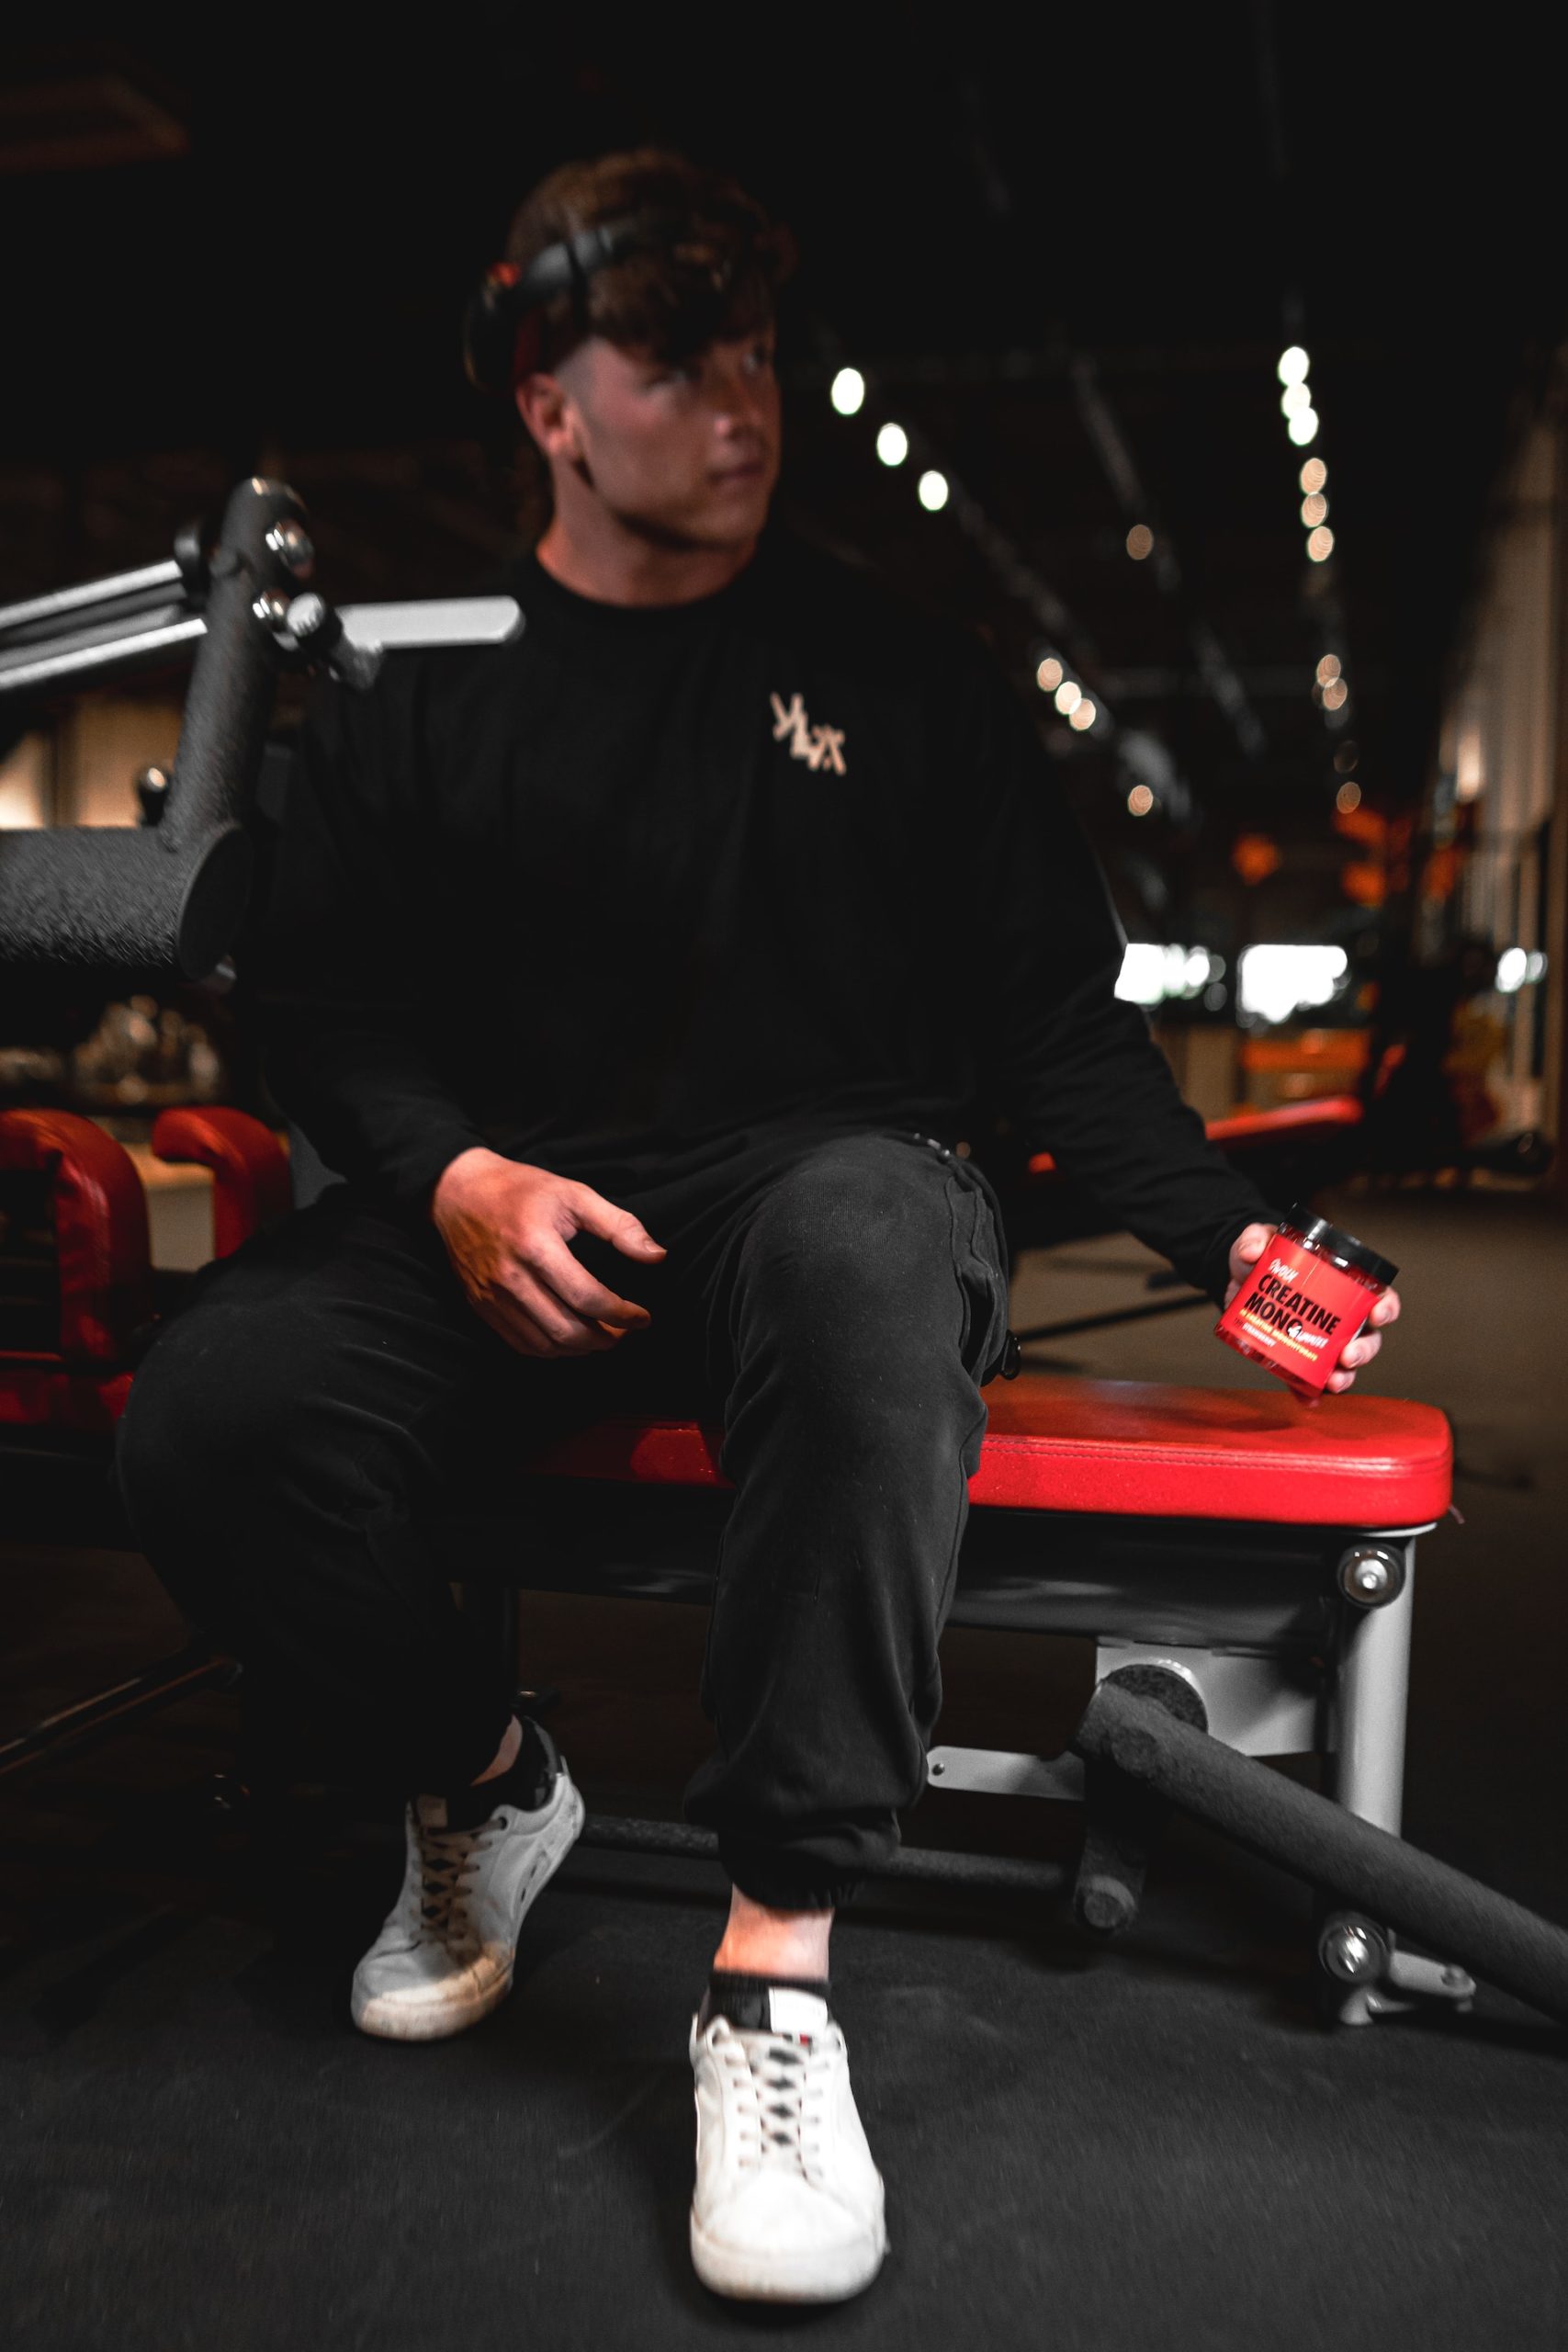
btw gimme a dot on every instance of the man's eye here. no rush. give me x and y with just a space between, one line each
759 359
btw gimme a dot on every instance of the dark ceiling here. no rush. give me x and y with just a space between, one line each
1065 253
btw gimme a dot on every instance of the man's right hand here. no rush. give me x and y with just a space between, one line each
507 1228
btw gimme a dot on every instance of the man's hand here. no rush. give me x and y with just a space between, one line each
1245 1250
507 1228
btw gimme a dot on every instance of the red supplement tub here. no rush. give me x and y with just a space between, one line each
1305 1299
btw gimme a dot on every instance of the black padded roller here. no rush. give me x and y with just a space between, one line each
170 896
1123 1820
105 896
1320 1841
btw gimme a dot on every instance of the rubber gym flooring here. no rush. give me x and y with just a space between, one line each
1154 2145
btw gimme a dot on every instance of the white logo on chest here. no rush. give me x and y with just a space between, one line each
819 747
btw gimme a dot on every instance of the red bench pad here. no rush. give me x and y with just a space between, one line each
1140 1448
1131 1447
1297 1122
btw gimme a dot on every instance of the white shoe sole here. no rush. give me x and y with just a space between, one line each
391 2019
800 2275
407 2017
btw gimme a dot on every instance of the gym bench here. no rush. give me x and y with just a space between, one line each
1260 1551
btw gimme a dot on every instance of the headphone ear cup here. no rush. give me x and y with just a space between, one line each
490 331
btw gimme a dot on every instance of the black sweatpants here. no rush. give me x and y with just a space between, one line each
839 1314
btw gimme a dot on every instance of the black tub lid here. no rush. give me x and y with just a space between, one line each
1340 1244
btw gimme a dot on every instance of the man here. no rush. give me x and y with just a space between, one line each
639 978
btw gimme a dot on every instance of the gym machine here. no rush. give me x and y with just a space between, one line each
170 894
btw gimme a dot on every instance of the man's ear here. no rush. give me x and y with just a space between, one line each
549 417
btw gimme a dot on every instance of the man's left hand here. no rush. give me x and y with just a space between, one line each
1245 1250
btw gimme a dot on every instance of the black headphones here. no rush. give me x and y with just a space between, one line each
500 312
511 295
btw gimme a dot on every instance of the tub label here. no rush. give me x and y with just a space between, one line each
1302 1312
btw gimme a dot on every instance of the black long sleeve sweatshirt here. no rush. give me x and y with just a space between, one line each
655 887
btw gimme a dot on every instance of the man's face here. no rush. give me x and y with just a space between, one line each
683 453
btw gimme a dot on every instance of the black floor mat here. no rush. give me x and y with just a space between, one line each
1155 2146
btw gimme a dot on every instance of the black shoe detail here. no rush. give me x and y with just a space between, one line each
743 2000
526 1781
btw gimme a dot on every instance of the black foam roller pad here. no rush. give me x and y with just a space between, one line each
1320 1841
172 895
112 895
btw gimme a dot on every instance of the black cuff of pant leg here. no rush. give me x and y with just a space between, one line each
784 1882
744 1999
463 1766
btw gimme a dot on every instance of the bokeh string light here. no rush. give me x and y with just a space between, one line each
1330 690
1295 400
848 392
1082 712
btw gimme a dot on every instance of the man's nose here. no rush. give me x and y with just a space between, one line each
739 400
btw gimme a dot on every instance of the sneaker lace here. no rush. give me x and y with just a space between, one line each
448 1861
780 2087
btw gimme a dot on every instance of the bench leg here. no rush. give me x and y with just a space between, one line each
1371 1694
1371 1699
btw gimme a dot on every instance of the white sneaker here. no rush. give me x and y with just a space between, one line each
788 2207
446 1955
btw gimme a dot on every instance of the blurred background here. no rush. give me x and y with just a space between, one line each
1208 364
